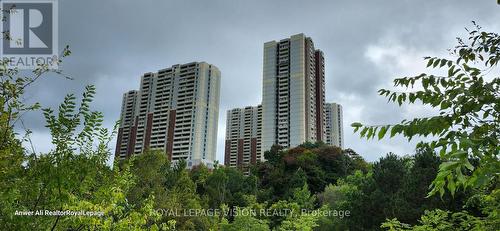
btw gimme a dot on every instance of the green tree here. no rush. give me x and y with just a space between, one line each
395 187
243 221
466 132
354 194
291 168
468 100
13 156
72 176
302 196
150 170
229 186
170 186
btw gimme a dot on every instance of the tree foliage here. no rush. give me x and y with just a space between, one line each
73 176
315 164
466 132
468 124
395 187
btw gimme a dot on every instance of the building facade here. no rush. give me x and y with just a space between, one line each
175 110
293 94
243 137
334 125
127 129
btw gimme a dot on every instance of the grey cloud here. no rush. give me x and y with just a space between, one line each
114 42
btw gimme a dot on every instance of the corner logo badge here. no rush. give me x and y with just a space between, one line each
29 29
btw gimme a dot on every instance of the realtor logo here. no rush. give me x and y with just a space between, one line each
30 33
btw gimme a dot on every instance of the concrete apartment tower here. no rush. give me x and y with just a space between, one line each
243 137
175 110
334 125
127 130
293 94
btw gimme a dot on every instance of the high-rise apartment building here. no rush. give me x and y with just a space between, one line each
127 129
334 125
293 93
243 137
175 110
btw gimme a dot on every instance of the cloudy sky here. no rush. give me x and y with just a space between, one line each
366 45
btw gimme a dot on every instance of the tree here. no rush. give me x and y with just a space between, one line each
318 167
229 187
302 196
243 221
466 132
13 156
352 194
291 217
150 170
394 187
439 220
468 124
72 176
424 167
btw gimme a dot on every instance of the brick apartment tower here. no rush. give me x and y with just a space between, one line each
293 96
243 137
175 110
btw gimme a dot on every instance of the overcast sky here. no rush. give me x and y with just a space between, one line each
365 45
